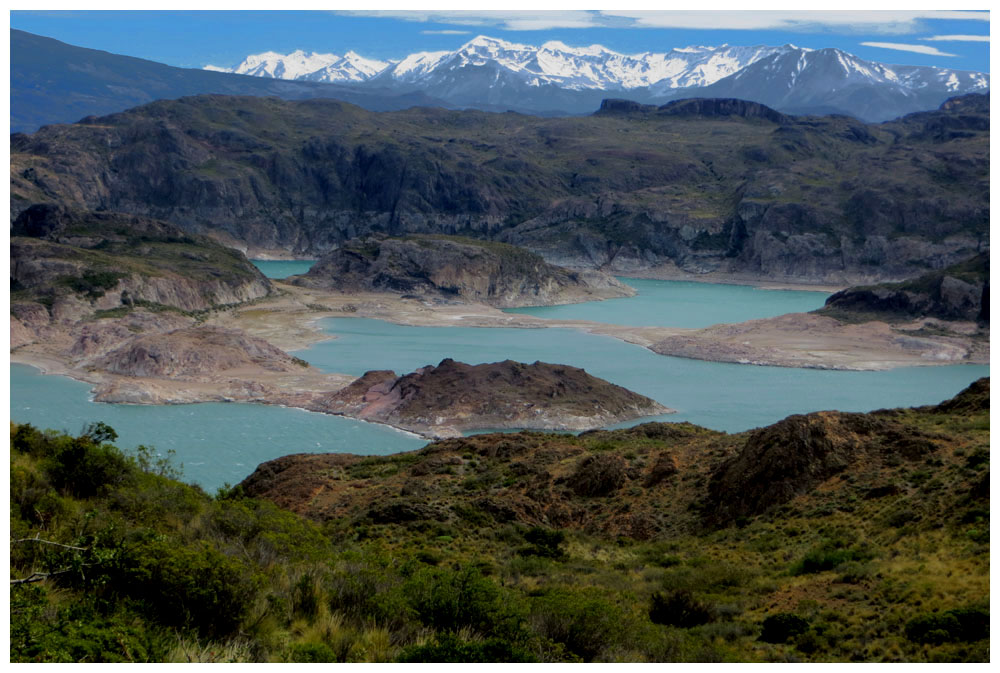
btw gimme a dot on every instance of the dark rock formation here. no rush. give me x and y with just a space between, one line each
93 261
959 292
444 266
722 107
455 396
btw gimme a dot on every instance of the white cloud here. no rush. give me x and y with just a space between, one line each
916 48
506 20
957 38
445 32
840 21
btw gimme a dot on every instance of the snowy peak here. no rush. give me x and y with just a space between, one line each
307 66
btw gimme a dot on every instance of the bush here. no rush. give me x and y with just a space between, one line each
312 653
544 542
448 648
586 622
678 608
449 600
782 626
828 556
959 625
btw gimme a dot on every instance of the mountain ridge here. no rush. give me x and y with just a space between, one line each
713 72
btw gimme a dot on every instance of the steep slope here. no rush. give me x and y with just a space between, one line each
696 187
452 267
56 83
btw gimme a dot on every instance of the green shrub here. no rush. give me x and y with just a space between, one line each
448 648
959 625
544 542
583 620
449 600
828 556
782 626
312 653
678 608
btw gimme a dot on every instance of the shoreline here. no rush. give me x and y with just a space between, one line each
290 321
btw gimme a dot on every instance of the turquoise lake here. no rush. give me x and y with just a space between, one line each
674 303
283 268
220 443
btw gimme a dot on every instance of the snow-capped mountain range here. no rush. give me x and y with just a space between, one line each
573 68
493 73
309 66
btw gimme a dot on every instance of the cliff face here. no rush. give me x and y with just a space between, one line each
454 396
959 292
492 273
79 262
705 186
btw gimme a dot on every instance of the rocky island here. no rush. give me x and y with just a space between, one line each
466 269
452 397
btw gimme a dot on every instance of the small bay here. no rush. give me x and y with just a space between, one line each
216 442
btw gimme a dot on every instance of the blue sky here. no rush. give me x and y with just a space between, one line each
951 39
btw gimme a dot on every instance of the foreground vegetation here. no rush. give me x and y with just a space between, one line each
114 559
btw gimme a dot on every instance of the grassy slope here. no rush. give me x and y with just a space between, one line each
166 572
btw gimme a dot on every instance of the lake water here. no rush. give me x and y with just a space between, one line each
220 443
718 395
283 268
673 303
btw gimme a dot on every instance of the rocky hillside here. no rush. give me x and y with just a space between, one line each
452 267
659 478
74 263
959 292
452 397
701 188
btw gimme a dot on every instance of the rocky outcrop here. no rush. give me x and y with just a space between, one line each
721 107
457 268
758 196
960 292
454 396
794 456
100 261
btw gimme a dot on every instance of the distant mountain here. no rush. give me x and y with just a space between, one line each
825 81
311 67
53 82
489 73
